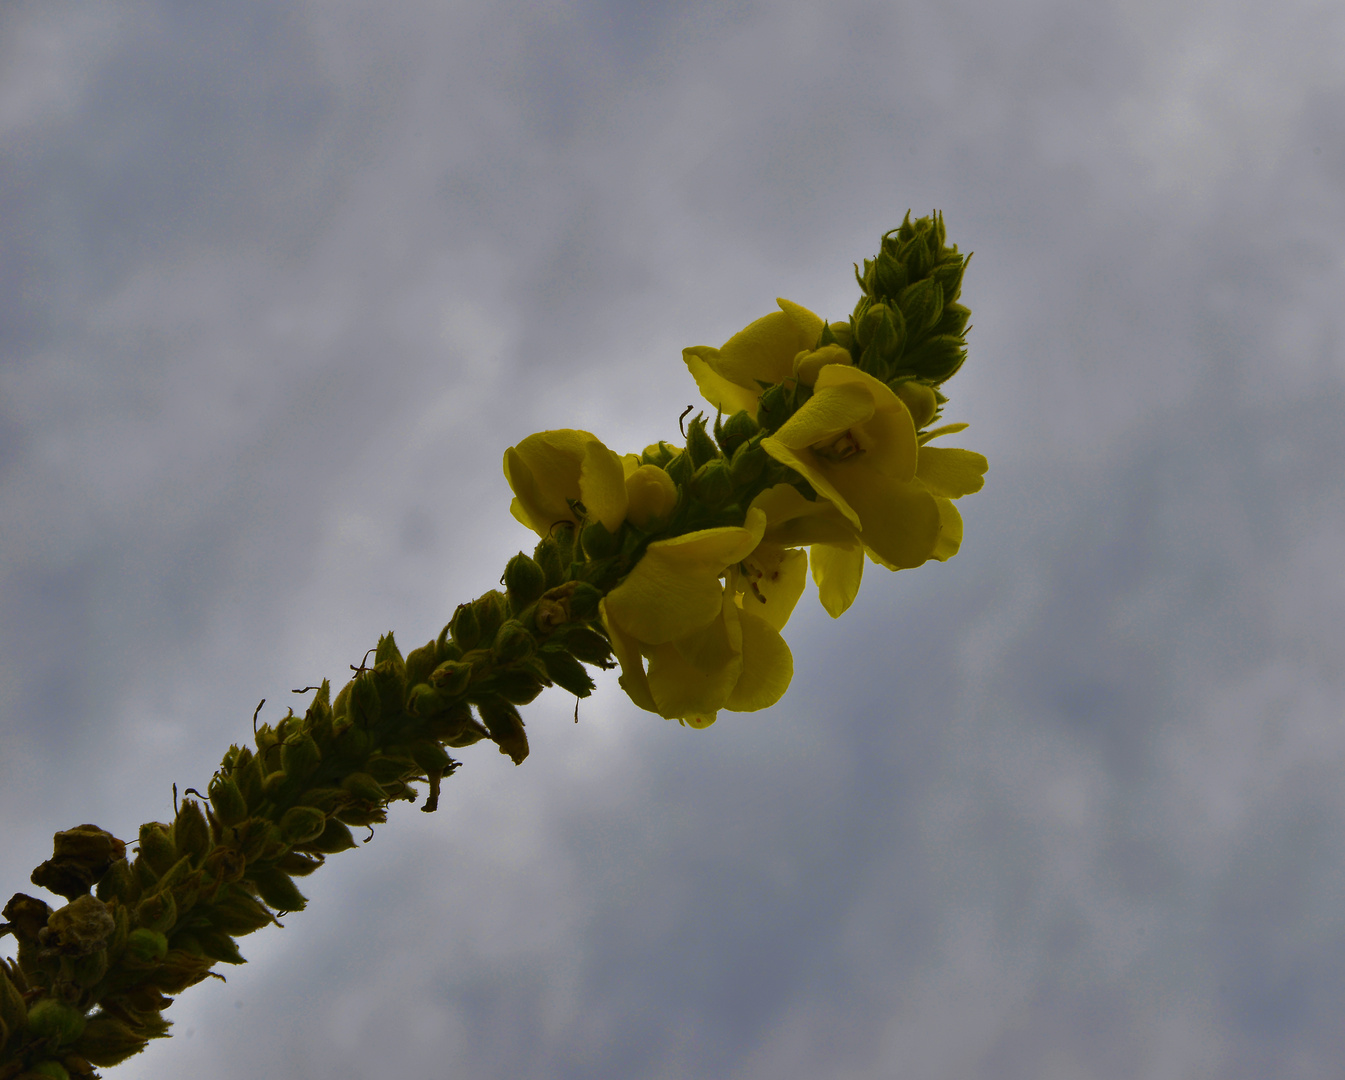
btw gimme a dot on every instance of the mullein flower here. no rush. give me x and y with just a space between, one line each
855 443
552 471
779 346
704 610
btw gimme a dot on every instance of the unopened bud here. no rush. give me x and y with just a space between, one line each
700 446
918 398
277 889
712 484
567 673
227 800
651 496
552 559
736 430
451 677
191 834
302 823
921 304
773 407
299 755
52 1019
157 912
584 601
513 643
491 610
524 581
156 847
145 946
516 686
598 541
506 728
747 464
466 633
107 1041
364 787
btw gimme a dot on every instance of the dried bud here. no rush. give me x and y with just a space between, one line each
81 856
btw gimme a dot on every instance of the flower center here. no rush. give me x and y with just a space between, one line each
846 446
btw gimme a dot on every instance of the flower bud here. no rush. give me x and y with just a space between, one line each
516 686
921 304
227 800
808 364
513 643
364 787
953 321
773 407
430 756
146 947
491 610
191 834
584 601
451 677
13 1009
651 496
552 560
302 823
299 755
524 582
586 644
107 1041
156 847
597 541
53 1070
52 1019
680 468
277 889
157 912
937 358
567 672
700 446
219 946
421 662
425 701
736 430
918 398
747 464
335 837
712 484
466 633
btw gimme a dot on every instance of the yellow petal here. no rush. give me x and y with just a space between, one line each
767 666
674 589
889 439
602 485
951 473
900 521
950 536
695 675
627 650
763 351
793 521
838 570
728 397
827 415
544 472
808 364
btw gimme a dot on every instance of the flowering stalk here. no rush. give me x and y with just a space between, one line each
682 564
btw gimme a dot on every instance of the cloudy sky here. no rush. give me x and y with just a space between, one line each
281 282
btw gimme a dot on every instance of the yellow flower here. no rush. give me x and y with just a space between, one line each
776 347
710 644
854 441
553 469
835 551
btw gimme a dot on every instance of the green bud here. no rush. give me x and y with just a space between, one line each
659 453
430 756
273 781
107 1041
301 823
584 601
364 787
425 701
949 276
156 847
937 359
266 738
921 304
146 947
567 672
524 582
506 728
248 774
584 643
451 677
516 686
52 1019
735 431
297 864
466 633
191 833
389 678
491 610
277 889
364 707
552 559
237 912
513 643
335 837
353 744
13 1009
218 945
389 768
597 541
712 484
953 321
227 800
773 407
890 275
387 652
680 468
53 1069
421 662
157 912
700 446
299 755
117 883
747 464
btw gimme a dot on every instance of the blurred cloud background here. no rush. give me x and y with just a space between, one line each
280 282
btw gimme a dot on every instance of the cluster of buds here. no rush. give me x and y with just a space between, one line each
682 564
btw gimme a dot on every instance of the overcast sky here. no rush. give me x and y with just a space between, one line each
280 282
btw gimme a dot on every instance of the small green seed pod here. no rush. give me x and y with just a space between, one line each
52 1019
